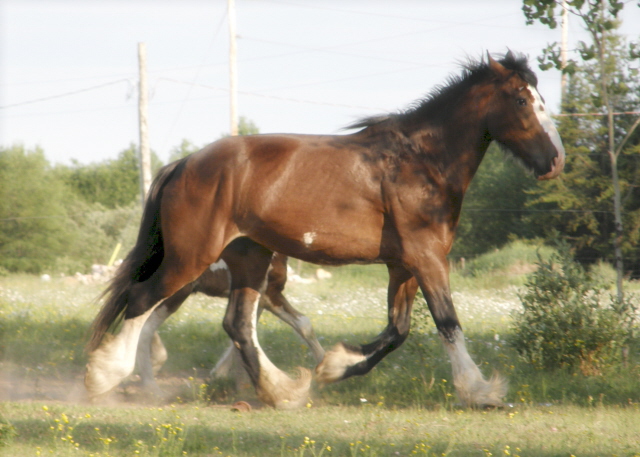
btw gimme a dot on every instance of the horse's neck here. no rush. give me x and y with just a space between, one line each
456 148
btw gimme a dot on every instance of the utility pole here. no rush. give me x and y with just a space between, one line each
143 102
233 70
563 50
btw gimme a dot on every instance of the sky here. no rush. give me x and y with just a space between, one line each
69 69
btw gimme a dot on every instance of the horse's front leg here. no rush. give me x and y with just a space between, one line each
276 302
344 360
471 386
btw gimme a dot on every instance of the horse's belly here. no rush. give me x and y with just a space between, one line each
340 242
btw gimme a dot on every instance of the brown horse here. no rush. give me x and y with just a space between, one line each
216 282
389 193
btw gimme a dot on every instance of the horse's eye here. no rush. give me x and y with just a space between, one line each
522 101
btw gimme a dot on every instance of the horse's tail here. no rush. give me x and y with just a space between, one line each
143 260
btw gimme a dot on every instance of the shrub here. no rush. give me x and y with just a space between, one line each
567 321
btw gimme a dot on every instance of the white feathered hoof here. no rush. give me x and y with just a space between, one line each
105 369
279 391
480 393
335 363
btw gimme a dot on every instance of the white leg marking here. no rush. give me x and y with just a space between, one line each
275 387
115 357
470 385
151 352
335 363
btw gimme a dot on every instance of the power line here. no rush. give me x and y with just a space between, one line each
66 94
195 78
595 114
274 97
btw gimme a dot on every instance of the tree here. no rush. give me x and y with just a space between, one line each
186 148
33 227
112 183
245 127
47 226
599 19
494 206
581 201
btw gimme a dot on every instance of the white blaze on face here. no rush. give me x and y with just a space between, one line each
546 122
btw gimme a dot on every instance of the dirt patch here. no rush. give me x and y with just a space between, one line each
17 387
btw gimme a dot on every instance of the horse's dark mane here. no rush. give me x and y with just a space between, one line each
474 71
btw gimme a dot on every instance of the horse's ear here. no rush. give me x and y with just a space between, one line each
497 67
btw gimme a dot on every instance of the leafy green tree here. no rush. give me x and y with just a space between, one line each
494 207
46 227
610 84
186 148
33 227
245 127
585 195
112 183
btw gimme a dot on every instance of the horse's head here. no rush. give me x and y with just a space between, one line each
518 120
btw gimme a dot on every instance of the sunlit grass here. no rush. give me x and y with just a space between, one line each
368 429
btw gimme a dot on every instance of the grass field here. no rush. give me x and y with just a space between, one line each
405 406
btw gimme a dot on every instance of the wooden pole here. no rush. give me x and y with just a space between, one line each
563 49
233 70
143 102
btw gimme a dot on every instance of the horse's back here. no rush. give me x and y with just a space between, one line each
296 194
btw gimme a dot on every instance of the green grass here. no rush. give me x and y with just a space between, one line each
368 429
405 405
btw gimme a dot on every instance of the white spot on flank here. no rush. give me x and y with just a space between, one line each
308 238
219 265
546 122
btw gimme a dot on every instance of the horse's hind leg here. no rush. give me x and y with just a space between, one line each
248 265
151 354
115 357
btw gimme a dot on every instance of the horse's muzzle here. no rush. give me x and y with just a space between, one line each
556 168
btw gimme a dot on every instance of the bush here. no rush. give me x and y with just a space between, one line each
567 322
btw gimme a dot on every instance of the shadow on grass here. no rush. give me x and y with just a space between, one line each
416 375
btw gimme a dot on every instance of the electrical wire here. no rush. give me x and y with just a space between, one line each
66 94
